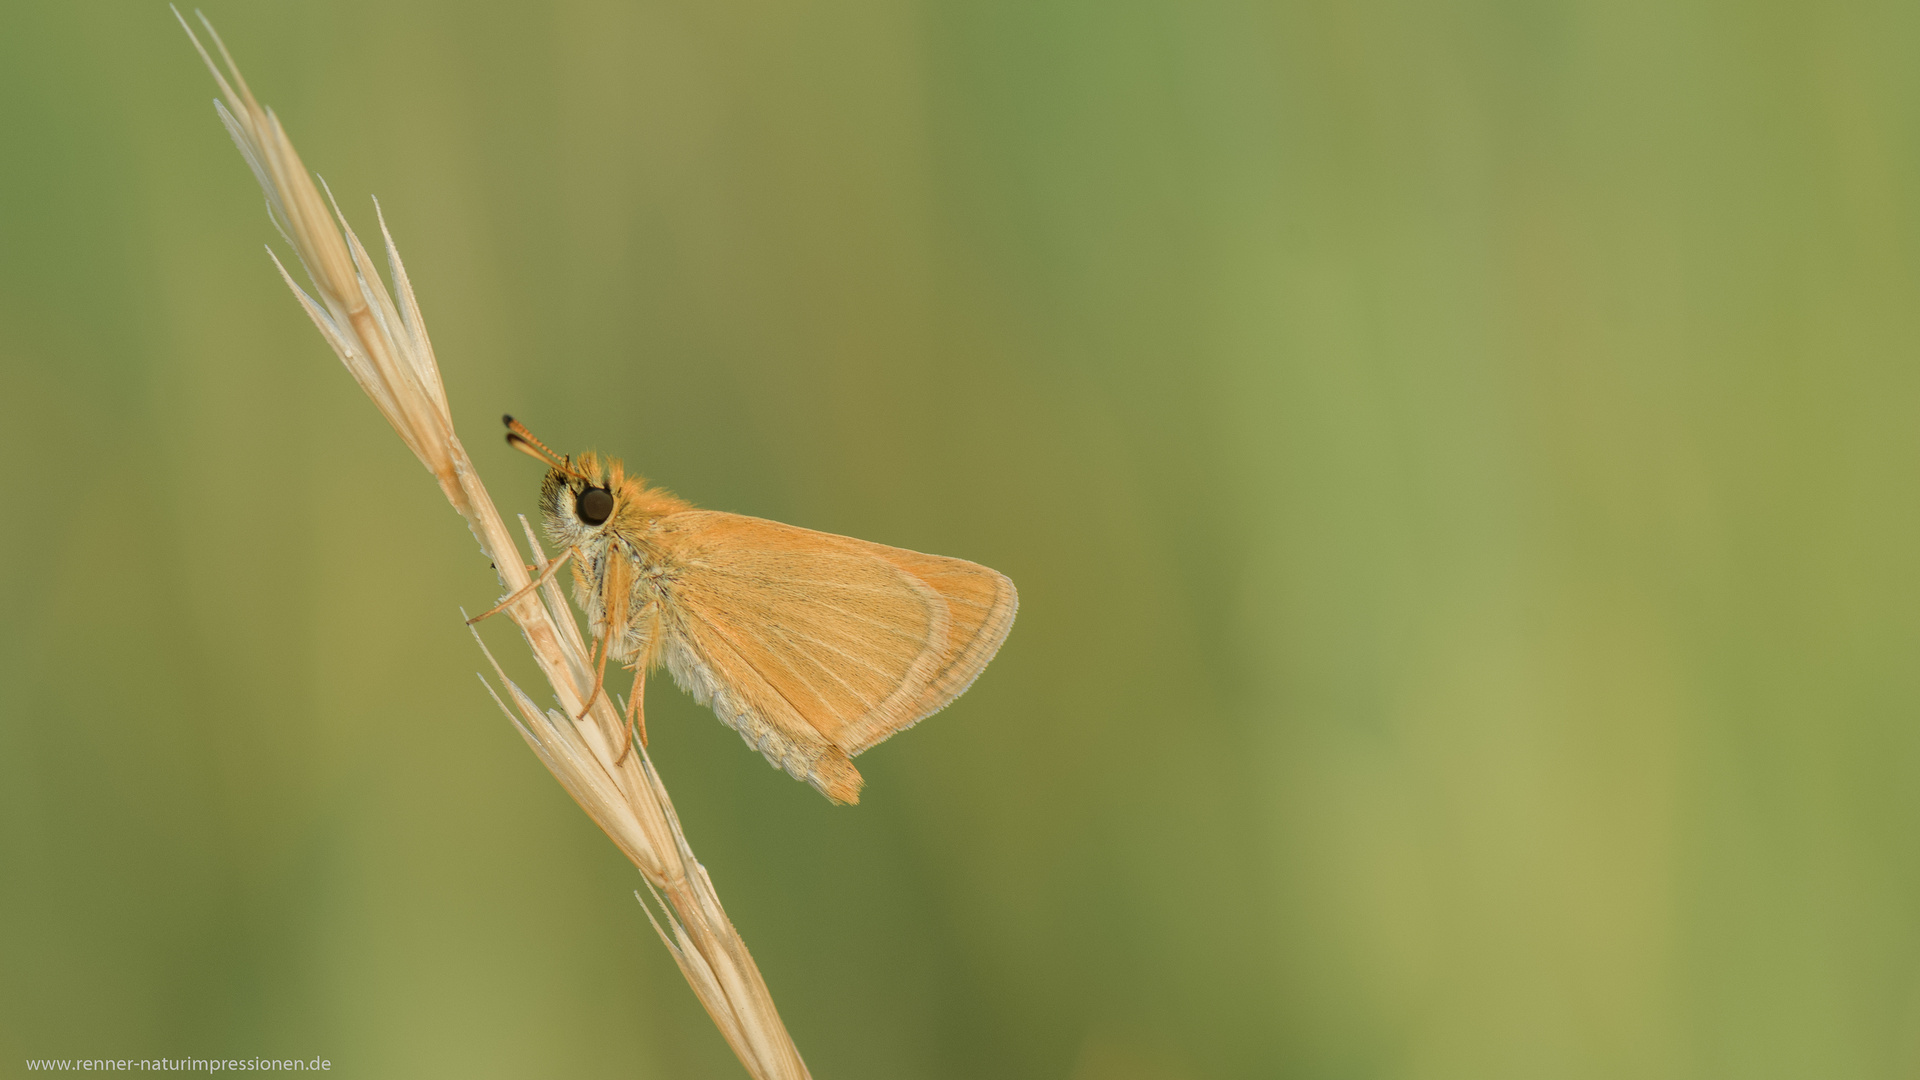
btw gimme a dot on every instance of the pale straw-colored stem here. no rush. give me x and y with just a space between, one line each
384 346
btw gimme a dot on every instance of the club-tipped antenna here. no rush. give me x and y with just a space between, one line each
523 440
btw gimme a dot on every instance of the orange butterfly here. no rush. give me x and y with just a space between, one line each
812 646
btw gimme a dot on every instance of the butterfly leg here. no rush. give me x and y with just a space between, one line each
520 593
636 714
602 647
613 590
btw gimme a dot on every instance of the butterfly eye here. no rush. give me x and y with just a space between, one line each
593 505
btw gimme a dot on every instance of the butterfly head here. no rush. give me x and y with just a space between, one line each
590 499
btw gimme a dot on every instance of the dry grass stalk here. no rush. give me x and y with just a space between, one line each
384 345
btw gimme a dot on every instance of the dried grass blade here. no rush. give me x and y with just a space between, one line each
384 346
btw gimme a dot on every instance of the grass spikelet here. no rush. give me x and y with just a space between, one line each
379 335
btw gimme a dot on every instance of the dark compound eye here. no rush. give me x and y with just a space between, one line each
593 505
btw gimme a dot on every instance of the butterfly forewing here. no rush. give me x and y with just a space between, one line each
980 607
824 640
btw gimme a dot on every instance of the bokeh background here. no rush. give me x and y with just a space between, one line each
1459 461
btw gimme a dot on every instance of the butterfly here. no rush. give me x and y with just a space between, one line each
814 647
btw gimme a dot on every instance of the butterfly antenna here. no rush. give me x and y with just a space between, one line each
522 440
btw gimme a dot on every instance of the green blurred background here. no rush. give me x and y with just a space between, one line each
1459 463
